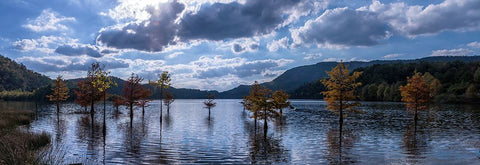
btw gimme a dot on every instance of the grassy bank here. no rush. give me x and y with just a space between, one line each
17 146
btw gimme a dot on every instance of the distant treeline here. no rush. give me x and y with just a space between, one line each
459 81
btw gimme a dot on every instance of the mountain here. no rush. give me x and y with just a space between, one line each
15 76
294 78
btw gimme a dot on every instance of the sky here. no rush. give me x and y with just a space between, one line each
220 44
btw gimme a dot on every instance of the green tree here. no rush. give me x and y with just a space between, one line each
471 92
93 92
416 94
341 91
164 83
60 92
476 76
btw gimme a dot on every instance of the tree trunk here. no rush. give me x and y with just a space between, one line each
265 124
255 118
281 112
161 102
92 113
131 114
143 110
58 108
104 115
208 113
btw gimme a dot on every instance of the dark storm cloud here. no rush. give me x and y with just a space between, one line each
151 35
233 20
237 48
74 50
343 26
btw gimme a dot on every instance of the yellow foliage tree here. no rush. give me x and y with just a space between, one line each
280 100
60 92
164 83
416 93
340 92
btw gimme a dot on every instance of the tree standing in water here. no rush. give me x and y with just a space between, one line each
60 92
416 94
102 83
341 91
132 92
163 82
280 100
168 100
143 102
209 103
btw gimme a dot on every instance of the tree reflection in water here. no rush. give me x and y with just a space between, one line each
415 143
265 150
92 134
339 150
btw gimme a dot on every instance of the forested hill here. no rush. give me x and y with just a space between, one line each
14 76
459 81
302 76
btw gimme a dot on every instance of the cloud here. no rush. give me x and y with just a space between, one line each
451 52
175 54
434 18
237 48
312 56
475 44
58 64
44 44
243 45
388 56
242 70
77 50
275 45
220 21
150 35
342 27
48 20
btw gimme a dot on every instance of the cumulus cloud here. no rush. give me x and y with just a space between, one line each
208 67
219 21
451 52
58 64
149 35
342 27
76 50
44 44
48 20
434 18
475 44
277 44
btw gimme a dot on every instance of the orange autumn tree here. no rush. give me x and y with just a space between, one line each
60 92
132 92
143 102
340 92
83 94
416 93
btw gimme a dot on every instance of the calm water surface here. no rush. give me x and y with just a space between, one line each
384 134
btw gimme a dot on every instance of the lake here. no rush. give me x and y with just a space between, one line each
384 134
